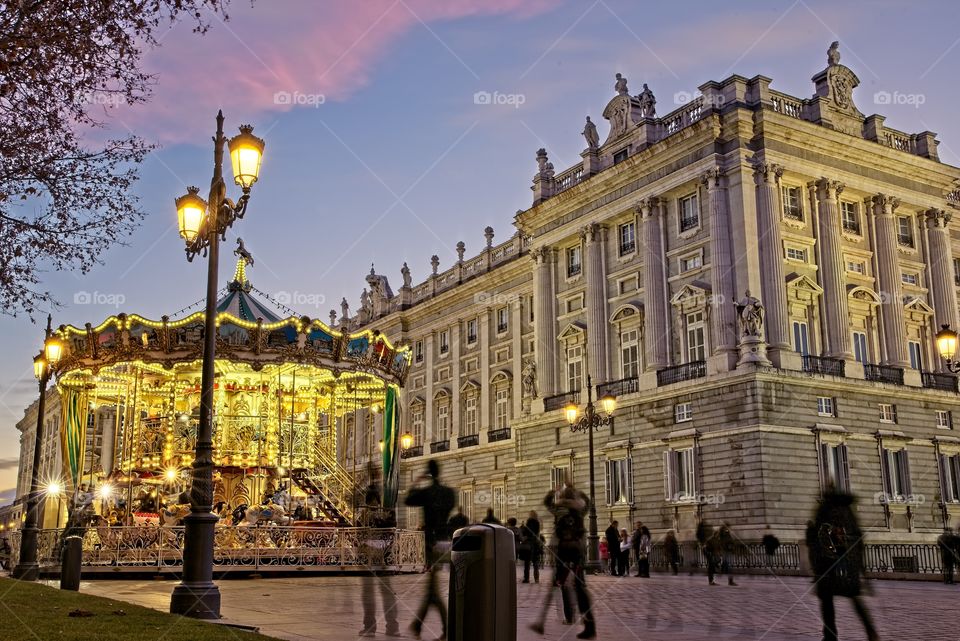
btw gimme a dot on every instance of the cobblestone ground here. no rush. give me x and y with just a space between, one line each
663 607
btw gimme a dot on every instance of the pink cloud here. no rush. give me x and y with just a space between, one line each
305 50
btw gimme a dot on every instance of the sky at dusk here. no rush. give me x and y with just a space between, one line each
377 151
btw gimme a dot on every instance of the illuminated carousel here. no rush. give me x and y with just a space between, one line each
286 385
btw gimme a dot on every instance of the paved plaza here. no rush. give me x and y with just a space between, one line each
660 608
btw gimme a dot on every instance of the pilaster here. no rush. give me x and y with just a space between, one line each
545 315
723 321
832 271
773 284
485 373
888 281
940 267
597 361
655 339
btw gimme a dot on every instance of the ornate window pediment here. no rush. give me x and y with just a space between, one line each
417 400
501 376
802 288
691 297
573 332
441 394
628 312
863 295
917 310
470 386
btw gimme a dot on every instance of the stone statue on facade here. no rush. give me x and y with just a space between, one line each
529 379
544 166
344 308
591 135
751 316
648 103
833 54
366 307
621 86
405 273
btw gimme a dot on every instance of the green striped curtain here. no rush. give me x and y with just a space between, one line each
73 426
391 447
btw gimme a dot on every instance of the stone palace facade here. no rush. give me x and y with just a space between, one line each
758 278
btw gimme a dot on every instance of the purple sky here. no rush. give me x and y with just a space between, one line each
382 155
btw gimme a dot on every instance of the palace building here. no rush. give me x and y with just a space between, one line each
758 278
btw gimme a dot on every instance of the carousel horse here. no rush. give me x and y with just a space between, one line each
172 514
269 513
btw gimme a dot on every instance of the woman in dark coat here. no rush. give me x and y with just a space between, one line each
837 555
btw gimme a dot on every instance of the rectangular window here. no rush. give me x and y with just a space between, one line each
682 412
502 320
909 278
792 202
501 410
574 368
574 304
825 406
956 272
795 253
895 470
619 481
860 352
466 504
916 355
680 476
689 207
944 419
905 231
856 266
950 478
850 216
500 503
444 342
574 263
630 353
443 422
471 331
800 342
834 466
418 351
627 234
470 423
558 475
696 338
416 422
888 413
627 285
689 263
620 156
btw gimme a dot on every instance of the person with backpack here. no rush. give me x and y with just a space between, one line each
568 506
837 555
437 501
643 548
530 547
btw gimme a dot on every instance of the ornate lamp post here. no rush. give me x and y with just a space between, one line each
947 346
27 568
203 224
590 421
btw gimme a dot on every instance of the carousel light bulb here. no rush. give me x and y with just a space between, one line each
171 474
54 488
106 490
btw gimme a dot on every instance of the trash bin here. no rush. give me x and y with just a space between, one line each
70 560
483 585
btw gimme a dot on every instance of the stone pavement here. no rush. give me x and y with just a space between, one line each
663 607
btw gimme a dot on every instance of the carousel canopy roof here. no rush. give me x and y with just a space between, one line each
242 300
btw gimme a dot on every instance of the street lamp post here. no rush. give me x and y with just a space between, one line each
27 568
947 346
589 422
203 224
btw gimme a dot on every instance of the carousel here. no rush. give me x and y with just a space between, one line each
287 388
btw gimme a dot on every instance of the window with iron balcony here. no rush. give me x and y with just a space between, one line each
689 212
574 264
792 202
904 231
628 238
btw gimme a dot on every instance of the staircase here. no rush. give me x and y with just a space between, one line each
330 484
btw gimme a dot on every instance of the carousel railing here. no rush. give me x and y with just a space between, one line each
151 547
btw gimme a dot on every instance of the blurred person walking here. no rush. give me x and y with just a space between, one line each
948 544
373 518
612 536
491 518
530 547
671 552
644 547
437 501
623 558
837 554
568 505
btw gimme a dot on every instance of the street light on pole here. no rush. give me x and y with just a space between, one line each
27 568
203 224
947 346
589 422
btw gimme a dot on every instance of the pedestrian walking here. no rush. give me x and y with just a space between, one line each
644 547
837 554
623 560
517 537
728 548
457 521
375 543
671 552
612 536
947 542
770 546
635 544
491 518
568 506
530 547
437 500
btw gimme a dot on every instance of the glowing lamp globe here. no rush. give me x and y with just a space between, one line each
570 411
39 366
380 445
53 349
191 214
609 403
947 343
246 152
406 440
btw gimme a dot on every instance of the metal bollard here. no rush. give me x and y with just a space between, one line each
70 560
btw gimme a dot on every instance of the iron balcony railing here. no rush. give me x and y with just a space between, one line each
440 446
498 435
558 401
629 385
411 452
824 365
685 372
883 374
468 440
945 382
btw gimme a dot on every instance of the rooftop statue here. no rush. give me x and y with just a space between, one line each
648 103
591 135
621 86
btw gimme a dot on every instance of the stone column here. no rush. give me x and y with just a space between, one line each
545 319
485 373
773 284
940 266
592 236
428 408
516 348
832 269
888 281
722 316
456 335
655 337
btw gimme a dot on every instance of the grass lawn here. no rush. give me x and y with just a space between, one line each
31 612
